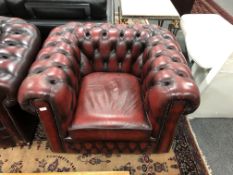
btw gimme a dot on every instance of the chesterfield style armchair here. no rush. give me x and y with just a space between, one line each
103 87
19 43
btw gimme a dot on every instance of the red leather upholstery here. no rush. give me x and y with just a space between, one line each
54 76
74 51
167 78
19 43
110 108
112 48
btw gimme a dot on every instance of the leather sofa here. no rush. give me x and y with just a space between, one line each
46 14
109 88
19 43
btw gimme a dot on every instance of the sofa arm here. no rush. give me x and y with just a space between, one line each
168 86
53 78
20 43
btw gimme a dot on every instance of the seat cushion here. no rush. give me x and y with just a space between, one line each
110 108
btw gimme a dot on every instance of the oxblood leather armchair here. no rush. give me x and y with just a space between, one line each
19 43
102 87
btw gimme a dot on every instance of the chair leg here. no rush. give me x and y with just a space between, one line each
46 118
168 127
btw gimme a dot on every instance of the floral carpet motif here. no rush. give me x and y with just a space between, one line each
183 158
39 158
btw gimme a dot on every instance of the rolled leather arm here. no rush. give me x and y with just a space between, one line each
168 86
53 77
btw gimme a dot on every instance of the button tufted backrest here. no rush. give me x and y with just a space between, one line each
114 48
109 48
104 47
19 42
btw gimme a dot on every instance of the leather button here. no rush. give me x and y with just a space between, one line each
166 82
45 56
162 67
52 82
174 59
121 35
4 56
104 34
17 32
181 73
87 35
137 35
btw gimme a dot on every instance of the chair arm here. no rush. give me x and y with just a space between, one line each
53 77
168 86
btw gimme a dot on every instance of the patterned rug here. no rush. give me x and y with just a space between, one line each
184 158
